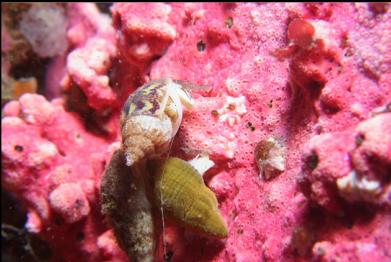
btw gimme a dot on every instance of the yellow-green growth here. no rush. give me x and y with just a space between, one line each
185 198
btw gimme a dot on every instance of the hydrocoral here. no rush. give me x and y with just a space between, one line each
319 99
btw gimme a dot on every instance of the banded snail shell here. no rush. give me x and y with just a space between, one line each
151 117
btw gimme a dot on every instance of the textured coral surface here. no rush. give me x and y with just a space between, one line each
310 81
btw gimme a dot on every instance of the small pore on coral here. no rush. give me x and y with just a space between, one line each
18 148
250 126
201 46
168 256
80 236
312 161
360 139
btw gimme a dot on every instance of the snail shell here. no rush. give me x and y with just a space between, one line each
180 189
151 117
125 203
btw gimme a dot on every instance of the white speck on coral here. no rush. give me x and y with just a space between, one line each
129 160
256 17
323 31
231 121
230 149
352 187
232 110
208 67
34 222
104 81
11 120
166 10
231 84
199 14
258 60
141 49
357 110
202 163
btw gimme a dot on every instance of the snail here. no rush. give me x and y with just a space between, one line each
131 193
180 189
151 117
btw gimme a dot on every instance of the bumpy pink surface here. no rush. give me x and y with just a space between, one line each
320 101
54 165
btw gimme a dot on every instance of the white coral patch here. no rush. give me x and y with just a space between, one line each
352 187
34 222
323 31
141 50
232 110
202 163
45 150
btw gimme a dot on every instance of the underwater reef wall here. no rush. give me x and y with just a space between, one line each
295 112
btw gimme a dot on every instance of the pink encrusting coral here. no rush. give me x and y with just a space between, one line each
54 165
310 83
93 37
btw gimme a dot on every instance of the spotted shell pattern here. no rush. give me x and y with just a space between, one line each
151 117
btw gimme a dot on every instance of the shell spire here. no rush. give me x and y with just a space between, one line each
151 117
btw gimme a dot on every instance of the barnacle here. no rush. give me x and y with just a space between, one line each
151 117
180 189
270 157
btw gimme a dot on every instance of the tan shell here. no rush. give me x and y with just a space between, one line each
151 117
145 137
